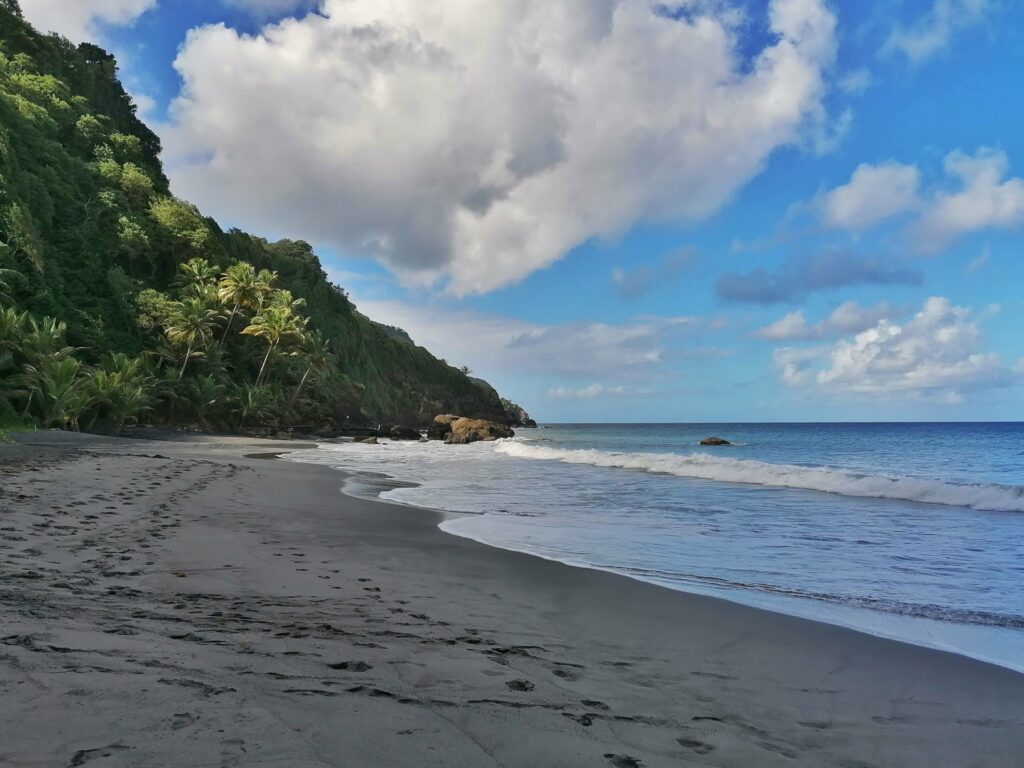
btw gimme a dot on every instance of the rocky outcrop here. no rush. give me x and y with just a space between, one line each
466 431
404 433
715 441
442 426
516 415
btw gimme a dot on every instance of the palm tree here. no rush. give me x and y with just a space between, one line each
278 323
242 287
5 286
316 353
121 389
266 280
44 339
60 389
191 323
12 328
205 393
251 400
6 275
196 277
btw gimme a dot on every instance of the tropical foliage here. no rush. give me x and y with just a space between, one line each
120 303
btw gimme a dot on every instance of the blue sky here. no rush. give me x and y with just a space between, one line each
786 210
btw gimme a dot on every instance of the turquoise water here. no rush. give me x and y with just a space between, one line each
910 531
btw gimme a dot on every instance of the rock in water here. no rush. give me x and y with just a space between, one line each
442 426
368 441
476 430
715 441
405 433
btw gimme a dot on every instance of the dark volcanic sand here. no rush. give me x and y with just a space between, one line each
179 604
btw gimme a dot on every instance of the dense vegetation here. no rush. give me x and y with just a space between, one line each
121 304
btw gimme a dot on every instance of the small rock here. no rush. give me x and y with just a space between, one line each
715 441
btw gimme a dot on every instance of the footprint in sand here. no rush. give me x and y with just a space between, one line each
523 686
623 761
700 747
183 720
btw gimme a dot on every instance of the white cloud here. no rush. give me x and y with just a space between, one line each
978 263
493 344
848 317
934 31
985 200
977 195
78 20
938 354
856 82
796 364
873 194
482 140
593 392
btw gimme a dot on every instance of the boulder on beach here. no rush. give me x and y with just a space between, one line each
466 431
442 426
715 441
404 433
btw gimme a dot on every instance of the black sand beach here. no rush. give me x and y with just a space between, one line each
180 604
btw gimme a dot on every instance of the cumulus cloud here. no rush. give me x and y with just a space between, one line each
939 354
495 345
481 141
796 278
79 20
592 392
848 317
985 200
796 364
873 194
633 283
975 195
934 31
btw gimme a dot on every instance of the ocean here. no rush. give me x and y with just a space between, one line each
909 531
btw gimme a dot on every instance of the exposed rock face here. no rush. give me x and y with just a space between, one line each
516 415
466 431
715 441
442 426
404 433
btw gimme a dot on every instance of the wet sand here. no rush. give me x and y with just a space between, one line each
197 603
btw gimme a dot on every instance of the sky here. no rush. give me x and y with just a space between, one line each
625 210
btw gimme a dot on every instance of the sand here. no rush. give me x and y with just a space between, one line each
197 603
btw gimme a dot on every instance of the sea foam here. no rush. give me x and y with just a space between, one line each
701 466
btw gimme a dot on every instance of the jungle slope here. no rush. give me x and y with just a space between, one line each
88 225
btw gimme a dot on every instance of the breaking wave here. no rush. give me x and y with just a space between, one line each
701 466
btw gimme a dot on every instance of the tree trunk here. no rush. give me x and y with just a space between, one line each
184 365
298 390
263 367
227 328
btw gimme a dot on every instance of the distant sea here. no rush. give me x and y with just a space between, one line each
908 531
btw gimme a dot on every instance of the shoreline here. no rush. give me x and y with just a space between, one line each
214 605
882 625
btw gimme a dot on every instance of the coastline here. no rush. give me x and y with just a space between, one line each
177 603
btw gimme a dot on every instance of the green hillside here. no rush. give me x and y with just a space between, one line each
122 304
